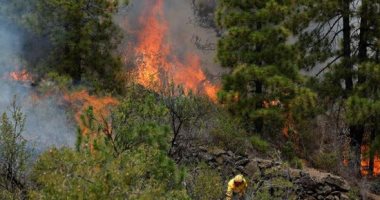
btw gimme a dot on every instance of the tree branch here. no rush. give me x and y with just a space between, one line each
328 65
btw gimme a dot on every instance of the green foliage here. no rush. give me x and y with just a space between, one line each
259 144
264 195
264 88
14 155
276 188
141 119
188 116
186 109
227 133
82 37
205 183
288 151
296 163
54 83
124 156
354 193
142 173
330 42
326 161
363 107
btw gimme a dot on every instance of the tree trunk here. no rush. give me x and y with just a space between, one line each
362 57
347 61
259 90
371 155
356 135
363 37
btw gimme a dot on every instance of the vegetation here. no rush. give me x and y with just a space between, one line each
302 88
199 186
14 155
343 40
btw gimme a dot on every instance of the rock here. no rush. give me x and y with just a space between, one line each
265 164
320 192
241 169
216 151
306 181
251 168
219 160
344 197
242 162
326 189
227 159
202 148
294 174
206 156
337 181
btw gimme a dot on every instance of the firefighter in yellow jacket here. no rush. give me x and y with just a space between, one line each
236 186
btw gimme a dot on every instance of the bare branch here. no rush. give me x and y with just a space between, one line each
328 65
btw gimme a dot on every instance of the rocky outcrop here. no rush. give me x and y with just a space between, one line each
271 177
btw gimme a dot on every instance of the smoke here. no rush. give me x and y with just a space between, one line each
47 123
185 33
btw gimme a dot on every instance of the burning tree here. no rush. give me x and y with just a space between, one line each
363 109
340 39
158 61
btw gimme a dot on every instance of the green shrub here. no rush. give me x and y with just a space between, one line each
227 133
326 161
259 144
288 151
296 163
205 183
354 193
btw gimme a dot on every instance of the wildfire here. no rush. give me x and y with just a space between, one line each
156 59
364 162
82 100
22 76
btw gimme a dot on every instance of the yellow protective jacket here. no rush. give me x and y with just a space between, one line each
232 188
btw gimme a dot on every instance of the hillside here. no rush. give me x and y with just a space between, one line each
171 99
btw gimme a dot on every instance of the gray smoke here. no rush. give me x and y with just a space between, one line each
47 123
185 33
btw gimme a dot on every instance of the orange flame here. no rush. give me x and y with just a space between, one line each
364 162
81 100
22 76
156 59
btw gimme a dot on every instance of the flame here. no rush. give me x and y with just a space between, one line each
22 76
364 162
81 100
156 59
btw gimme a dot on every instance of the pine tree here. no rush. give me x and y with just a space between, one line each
340 37
264 88
83 37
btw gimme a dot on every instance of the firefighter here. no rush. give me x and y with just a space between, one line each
236 186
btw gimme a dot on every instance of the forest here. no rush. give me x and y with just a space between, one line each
171 99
